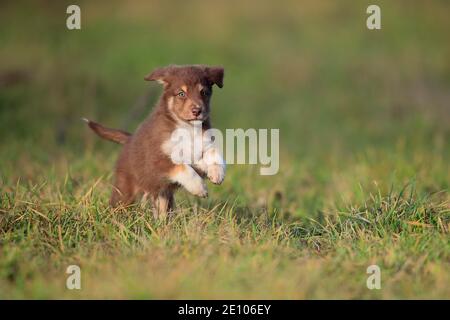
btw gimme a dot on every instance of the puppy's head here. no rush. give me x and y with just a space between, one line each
188 89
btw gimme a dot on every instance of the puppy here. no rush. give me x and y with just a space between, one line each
146 164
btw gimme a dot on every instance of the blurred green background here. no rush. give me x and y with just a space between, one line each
359 111
335 89
312 69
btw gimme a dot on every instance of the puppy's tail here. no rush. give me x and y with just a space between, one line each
115 135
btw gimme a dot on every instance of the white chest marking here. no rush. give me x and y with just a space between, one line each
187 144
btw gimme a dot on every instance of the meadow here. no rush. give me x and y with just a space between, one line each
364 119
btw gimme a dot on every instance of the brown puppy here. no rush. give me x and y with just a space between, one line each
146 164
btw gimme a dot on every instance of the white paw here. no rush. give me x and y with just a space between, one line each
216 173
198 188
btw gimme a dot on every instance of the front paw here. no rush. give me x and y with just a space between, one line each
216 173
199 189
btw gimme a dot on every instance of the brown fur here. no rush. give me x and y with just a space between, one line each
114 135
142 166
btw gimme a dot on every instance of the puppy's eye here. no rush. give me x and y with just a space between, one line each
181 94
205 93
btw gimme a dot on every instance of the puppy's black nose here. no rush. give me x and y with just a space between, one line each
196 112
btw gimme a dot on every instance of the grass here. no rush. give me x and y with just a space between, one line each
364 128
221 250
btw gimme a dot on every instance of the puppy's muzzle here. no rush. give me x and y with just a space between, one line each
196 112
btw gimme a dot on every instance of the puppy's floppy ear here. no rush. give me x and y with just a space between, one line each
215 75
159 74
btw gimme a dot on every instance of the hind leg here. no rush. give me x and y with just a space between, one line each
163 204
124 190
145 200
